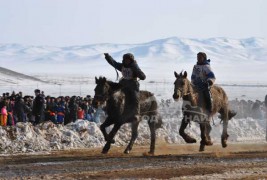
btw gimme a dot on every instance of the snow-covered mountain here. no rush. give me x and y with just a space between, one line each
233 59
11 77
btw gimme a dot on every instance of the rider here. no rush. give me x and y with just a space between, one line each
203 78
130 72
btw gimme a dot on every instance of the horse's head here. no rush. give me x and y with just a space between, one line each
181 85
101 91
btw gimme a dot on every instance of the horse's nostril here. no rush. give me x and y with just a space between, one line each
175 96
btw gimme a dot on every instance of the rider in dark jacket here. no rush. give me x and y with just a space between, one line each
130 74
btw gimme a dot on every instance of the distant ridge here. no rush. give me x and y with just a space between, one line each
9 76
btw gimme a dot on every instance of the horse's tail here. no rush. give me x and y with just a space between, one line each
154 114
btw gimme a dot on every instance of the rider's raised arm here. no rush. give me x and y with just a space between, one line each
113 63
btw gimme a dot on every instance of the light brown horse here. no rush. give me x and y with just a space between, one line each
194 108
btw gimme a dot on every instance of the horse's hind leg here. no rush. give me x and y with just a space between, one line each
152 127
224 116
133 138
203 131
224 134
208 130
110 137
186 137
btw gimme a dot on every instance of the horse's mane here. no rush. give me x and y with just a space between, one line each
114 86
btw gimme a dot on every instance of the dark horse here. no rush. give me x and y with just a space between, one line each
118 106
195 109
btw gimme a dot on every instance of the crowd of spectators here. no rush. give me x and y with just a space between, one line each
61 110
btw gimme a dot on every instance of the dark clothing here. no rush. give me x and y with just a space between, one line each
130 85
38 109
131 71
205 99
19 110
73 109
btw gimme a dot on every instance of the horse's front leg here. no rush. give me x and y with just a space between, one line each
203 136
186 137
103 127
133 138
208 130
110 137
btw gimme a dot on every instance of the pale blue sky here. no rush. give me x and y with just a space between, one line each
77 22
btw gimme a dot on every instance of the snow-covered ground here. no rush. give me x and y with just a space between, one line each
83 134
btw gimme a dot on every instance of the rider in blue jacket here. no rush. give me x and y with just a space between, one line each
203 78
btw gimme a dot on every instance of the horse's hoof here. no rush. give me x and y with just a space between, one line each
202 148
224 144
127 151
224 141
190 140
106 148
208 143
104 152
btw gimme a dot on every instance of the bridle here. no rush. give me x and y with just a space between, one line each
100 98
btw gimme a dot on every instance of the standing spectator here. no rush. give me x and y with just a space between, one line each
60 112
67 111
73 108
19 108
38 107
28 108
91 111
80 113
4 116
85 107
10 109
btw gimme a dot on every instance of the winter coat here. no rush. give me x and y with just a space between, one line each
80 114
38 106
129 72
73 108
202 73
3 116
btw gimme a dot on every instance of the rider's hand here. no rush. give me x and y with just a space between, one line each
209 82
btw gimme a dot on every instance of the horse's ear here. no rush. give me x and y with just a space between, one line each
96 80
176 74
104 79
185 74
